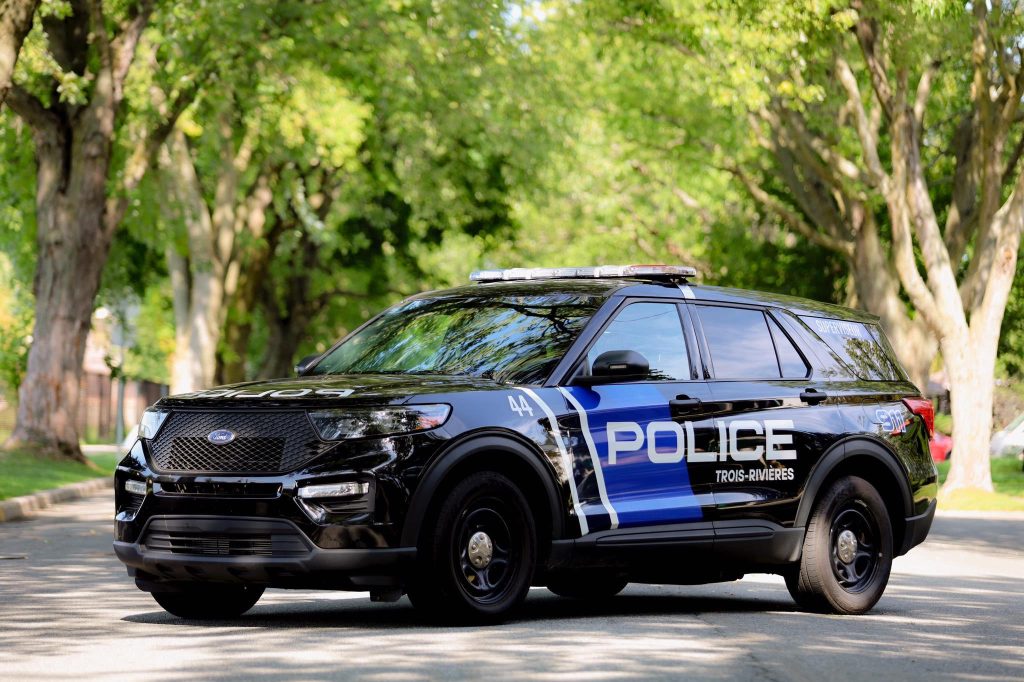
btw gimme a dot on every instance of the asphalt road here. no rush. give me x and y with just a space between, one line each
954 610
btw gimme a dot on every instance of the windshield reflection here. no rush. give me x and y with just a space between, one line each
515 339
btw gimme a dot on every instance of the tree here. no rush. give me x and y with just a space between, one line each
403 138
15 23
73 112
895 131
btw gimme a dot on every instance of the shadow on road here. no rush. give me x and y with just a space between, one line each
538 607
71 601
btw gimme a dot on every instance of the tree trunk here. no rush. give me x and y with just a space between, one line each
73 243
197 279
282 345
970 369
15 23
878 288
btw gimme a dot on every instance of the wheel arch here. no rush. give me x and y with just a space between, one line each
871 461
520 461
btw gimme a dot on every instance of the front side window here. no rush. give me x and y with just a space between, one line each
740 343
654 331
516 339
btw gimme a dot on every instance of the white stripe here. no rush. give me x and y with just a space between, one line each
598 472
687 291
566 460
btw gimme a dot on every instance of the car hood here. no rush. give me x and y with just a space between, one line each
328 390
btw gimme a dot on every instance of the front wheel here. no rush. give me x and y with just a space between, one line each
205 602
476 565
847 551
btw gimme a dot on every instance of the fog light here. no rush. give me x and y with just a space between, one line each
333 490
135 487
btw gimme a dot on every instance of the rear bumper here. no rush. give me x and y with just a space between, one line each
255 551
916 529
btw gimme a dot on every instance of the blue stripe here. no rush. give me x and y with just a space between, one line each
641 492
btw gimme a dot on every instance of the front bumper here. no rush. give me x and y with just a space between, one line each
255 551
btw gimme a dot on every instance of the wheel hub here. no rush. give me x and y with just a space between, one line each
481 549
846 546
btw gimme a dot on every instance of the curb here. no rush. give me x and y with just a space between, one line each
20 507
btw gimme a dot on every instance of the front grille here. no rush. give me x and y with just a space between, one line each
212 536
265 442
211 545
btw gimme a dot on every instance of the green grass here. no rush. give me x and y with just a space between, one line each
1008 480
22 473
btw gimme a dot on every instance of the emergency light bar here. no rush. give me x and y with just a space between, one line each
666 272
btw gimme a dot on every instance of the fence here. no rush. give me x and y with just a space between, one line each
97 407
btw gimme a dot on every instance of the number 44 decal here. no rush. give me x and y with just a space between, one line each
519 406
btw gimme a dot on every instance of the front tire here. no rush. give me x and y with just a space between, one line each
477 564
208 602
847 551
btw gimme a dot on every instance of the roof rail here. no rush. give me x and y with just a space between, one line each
672 273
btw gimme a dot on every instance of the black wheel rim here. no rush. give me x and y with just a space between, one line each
854 565
492 582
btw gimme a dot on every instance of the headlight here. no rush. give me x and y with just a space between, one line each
310 492
151 422
378 421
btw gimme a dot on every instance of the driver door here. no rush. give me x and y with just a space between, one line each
637 443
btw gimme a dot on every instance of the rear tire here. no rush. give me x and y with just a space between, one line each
206 602
847 551
597 586
477 564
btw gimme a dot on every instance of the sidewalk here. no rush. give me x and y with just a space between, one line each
20 507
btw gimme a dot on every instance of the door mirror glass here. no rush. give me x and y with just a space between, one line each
616 365
305 363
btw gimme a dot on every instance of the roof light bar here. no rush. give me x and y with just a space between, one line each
669 272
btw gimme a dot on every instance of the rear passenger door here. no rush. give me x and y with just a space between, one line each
772 419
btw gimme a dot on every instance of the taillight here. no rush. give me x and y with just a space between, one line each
923 408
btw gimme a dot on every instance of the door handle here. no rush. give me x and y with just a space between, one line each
813 396
685 402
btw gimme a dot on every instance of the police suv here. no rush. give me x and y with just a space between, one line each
578 428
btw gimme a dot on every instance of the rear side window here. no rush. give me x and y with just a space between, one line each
740 343
859 345
791 362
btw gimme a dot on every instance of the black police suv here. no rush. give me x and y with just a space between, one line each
578 428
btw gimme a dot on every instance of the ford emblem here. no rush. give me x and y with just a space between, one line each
221 437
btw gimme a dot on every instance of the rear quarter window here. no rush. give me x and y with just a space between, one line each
861 346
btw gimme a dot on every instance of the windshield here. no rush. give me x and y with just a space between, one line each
516 339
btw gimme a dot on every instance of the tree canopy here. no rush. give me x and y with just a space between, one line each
261 178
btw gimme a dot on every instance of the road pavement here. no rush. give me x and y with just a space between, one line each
954 610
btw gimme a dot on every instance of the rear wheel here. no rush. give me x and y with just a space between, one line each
208 601
847 551
596 586
476 565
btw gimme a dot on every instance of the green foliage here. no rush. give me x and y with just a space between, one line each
1011 339
15 329
152 338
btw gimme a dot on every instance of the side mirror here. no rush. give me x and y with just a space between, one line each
616 365
305 363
